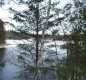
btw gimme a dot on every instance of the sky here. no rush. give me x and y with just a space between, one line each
5 14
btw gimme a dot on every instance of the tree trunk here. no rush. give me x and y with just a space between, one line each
37 37
45 26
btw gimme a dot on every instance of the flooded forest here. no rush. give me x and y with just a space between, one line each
43 40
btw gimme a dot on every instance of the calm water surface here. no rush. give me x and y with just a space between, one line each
9 71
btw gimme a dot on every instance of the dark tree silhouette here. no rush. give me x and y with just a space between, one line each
2 32
2 41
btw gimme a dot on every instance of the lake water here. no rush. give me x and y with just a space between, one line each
10 51
9 70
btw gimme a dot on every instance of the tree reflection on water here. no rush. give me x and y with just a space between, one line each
2 52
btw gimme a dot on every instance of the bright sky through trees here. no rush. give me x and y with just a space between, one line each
5 14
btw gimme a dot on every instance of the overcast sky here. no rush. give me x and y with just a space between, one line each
4 13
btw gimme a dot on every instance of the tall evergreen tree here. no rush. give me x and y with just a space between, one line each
76 45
